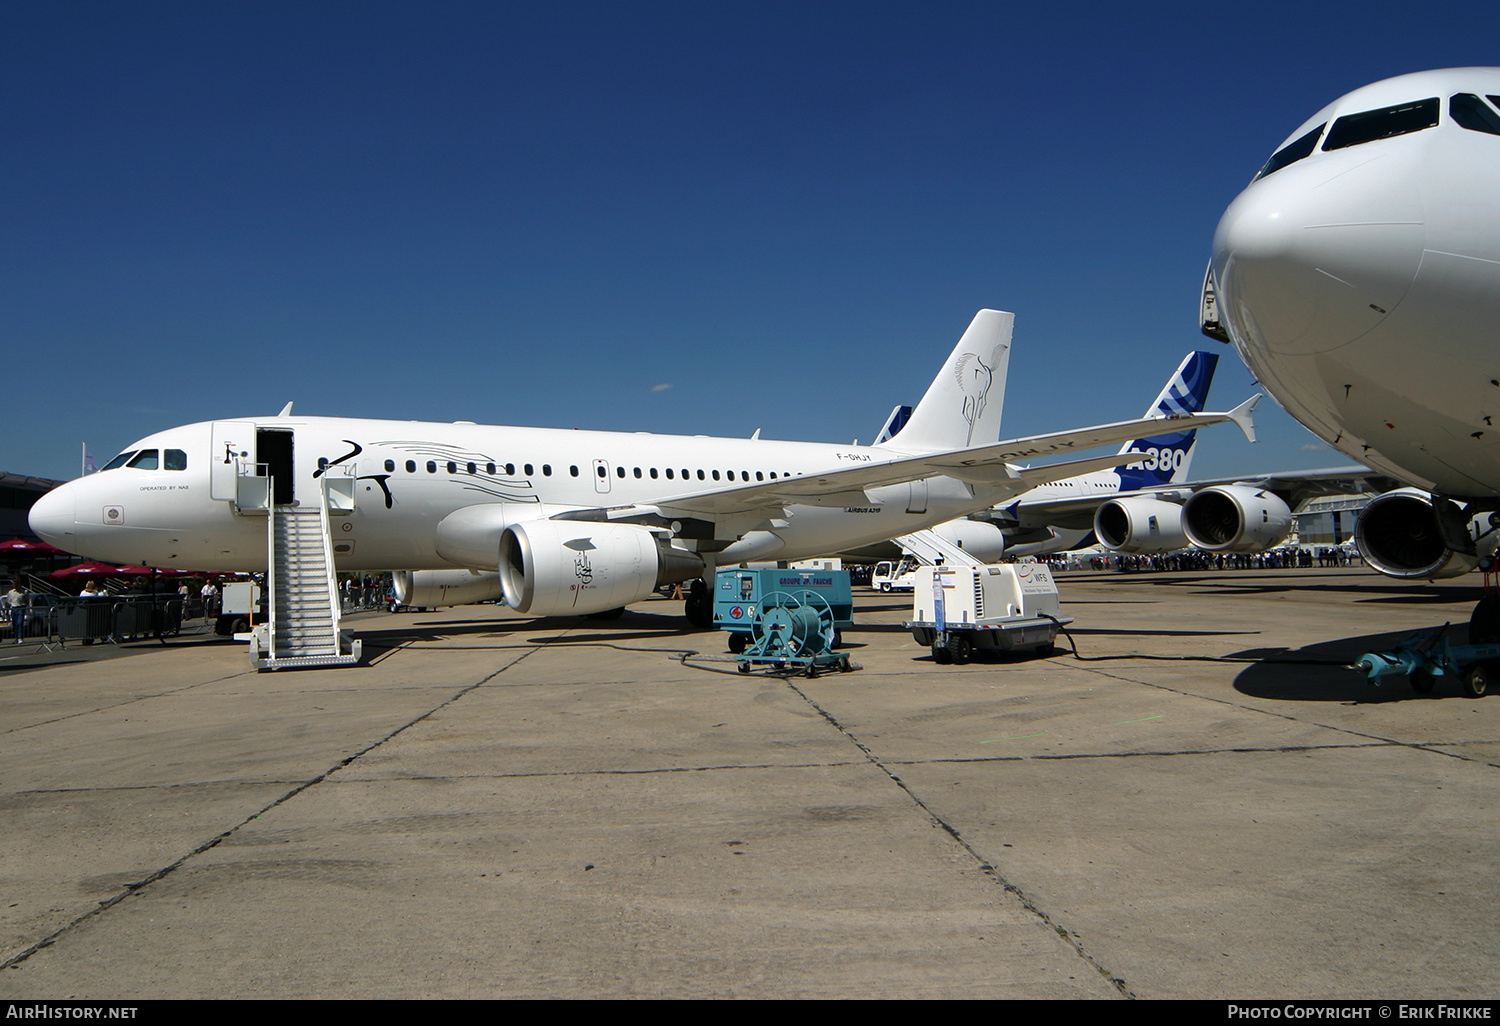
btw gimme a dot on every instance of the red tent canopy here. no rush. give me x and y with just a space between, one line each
87 570
21 545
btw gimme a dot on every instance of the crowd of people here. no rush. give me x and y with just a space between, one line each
1194 559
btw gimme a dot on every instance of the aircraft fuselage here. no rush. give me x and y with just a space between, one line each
410 478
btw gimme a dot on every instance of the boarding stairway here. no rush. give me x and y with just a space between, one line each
931 548
302 629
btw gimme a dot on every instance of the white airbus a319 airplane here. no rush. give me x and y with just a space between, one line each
572 522
1358 276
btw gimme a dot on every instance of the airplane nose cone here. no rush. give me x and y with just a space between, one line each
1307 260
52 517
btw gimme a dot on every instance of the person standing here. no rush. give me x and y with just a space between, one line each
15 599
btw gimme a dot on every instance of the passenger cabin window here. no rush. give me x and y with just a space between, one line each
118 461
146 459
1292 152
390 466
1385 123
1474 114
411 466
175 459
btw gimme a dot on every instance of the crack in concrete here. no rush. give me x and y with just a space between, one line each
984 865
122 703
213 842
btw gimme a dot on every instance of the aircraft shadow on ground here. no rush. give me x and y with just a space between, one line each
1319 673
1389 591
630 626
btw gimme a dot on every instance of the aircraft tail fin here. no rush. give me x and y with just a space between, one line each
1168 456
962 406
893 424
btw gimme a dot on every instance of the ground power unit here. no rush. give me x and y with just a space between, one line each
1009 607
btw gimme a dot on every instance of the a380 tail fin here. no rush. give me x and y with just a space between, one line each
893 424
962 405
1168 456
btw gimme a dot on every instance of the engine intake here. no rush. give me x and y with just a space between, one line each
575 567
433 588
1140 525
1410 533
1236 518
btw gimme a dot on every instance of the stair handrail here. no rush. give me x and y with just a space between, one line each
270 581
330 573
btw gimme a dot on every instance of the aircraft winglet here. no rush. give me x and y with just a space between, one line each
1243 415
286 411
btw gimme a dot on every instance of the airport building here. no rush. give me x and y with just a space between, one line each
1328 521
17 495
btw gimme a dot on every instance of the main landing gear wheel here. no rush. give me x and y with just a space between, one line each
698 607
1484 622
1477 680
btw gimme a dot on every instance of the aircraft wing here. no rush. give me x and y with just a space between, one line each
1295 488
985 466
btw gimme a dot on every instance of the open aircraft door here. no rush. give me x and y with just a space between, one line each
233 444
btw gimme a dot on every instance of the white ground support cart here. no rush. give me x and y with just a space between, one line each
957 609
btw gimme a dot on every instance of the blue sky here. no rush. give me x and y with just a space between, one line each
542 214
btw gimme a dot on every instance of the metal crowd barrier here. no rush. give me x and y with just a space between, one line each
115 618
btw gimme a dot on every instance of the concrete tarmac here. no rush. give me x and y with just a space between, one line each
1208 807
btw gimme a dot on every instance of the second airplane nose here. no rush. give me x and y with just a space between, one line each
52 517
1320 261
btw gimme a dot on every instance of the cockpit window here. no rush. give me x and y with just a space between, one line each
119 461
1402 119
175 459
1292 152
1474 114
146 459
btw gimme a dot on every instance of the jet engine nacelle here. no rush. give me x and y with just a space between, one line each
1411 533
433 588
1139 525
979 538
1236 518
576 567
